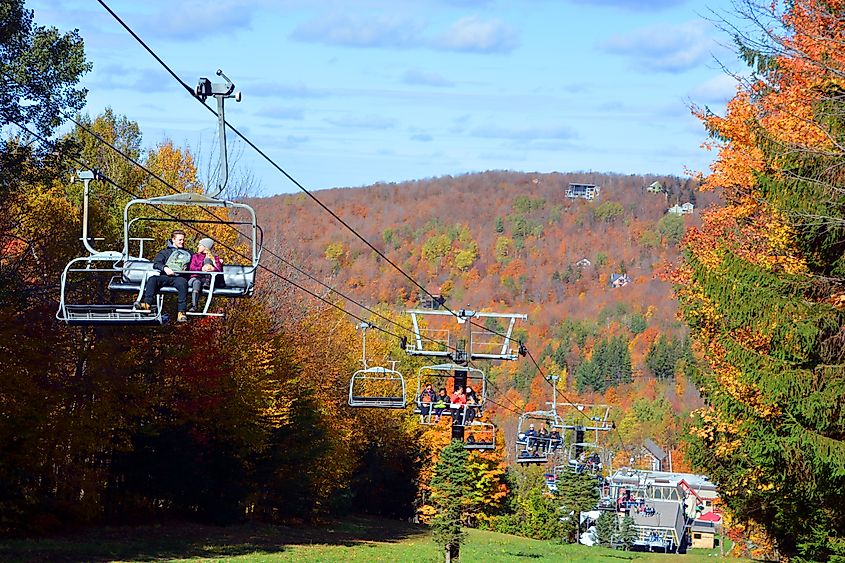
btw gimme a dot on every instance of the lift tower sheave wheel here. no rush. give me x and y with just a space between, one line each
220 91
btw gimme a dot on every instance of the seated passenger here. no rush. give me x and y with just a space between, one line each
472 400
203 261
169 263
531 437
440 404
459 400
427 397
555 439
543 438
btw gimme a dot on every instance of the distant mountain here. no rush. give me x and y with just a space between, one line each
506 241
504 238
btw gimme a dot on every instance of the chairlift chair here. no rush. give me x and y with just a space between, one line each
129 273
236 280
102 266
536 449
377 387
441 373
480 436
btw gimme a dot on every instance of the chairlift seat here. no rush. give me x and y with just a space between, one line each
393 379
238 280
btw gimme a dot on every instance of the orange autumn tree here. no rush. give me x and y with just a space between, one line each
762 284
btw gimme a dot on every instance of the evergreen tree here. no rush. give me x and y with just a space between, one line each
762 288
606 528
661 358
449 488
627 532
587 376
577 493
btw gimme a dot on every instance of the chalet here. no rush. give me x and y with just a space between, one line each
584 191
660 460
619 280
433 301
655 188
681 209
583 263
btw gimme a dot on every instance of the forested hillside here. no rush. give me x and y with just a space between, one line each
513 242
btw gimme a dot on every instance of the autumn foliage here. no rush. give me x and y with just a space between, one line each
761 287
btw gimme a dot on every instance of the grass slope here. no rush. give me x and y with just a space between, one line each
356 539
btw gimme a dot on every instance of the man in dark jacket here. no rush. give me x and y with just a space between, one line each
171 260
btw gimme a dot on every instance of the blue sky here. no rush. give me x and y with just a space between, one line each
349 93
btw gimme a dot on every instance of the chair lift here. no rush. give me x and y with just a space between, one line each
443 372
96 269
376 387
579 460
130 274
537 449
480 436
236 280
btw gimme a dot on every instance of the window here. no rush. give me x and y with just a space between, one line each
696 536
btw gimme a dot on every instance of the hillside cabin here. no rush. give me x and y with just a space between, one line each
433 301
681 209
583 191
583 263
657 456
619 280
655 188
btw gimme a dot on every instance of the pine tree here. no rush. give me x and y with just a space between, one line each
627 532
606 529
577 493
449 488
762 288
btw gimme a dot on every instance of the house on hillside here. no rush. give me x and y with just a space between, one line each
681 209
655 188
660 460
583 191
433 301
583 263
619 280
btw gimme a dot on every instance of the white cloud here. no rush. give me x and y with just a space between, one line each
189 20
277 112
717 90
524 133
363 122
634 5
478 35
361 31
471 34
280 90
665 48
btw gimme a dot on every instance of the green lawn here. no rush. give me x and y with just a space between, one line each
356 539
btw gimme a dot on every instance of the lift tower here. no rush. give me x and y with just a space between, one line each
464 346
